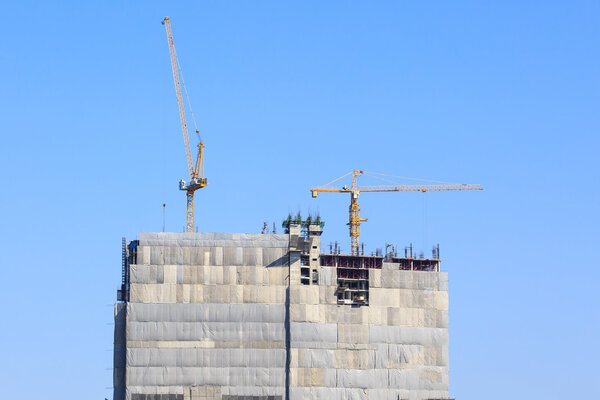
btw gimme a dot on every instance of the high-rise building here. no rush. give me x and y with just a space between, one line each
271 316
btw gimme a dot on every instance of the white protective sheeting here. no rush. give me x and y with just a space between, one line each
212 309
327 393
273 313
309 332
207 357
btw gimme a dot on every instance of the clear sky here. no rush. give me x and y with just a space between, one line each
289 95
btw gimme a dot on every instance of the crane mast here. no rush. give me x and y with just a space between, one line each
354 210
196 171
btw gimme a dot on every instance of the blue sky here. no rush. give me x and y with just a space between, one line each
294 94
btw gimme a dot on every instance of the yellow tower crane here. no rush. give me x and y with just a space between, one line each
197 179
355 220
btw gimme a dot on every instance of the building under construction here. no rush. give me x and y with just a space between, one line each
226 316
272 316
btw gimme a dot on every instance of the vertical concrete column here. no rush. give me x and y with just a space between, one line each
296 244
314 252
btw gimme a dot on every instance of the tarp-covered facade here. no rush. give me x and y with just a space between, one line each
224 316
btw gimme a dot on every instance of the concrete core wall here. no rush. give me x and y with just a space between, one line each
227 316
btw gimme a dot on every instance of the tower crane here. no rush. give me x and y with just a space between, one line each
197 179
354 210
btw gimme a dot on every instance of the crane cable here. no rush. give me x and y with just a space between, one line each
404 177
333 181
186 95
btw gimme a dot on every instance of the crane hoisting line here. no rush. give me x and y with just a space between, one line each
187 96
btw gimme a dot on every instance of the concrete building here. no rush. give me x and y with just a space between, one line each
270 316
